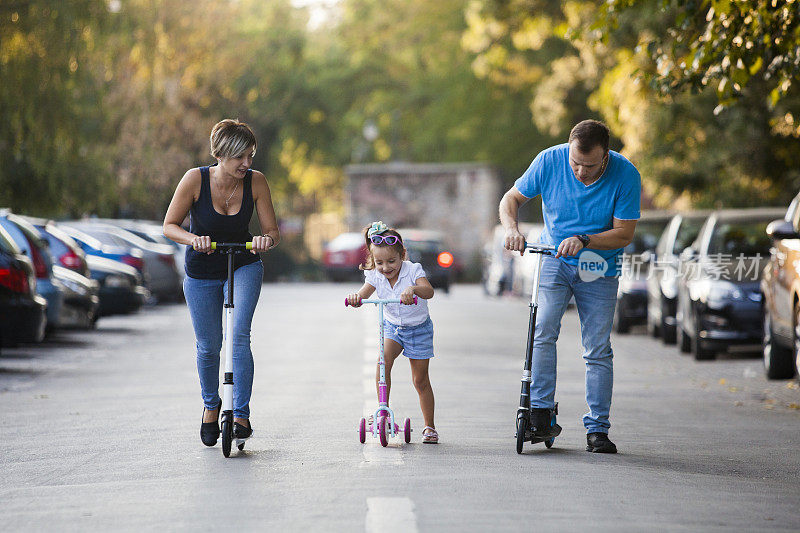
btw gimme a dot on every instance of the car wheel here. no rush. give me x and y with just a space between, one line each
778 360
700 351
684 341
621 325
652 328
669 332
796 343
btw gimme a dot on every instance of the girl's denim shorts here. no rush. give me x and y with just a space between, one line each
417 341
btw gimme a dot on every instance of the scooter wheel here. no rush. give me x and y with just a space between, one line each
362 430
227 437
522 428
407 430
382 431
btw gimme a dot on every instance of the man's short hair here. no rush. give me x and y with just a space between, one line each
589 133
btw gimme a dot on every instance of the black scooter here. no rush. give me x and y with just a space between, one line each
539 426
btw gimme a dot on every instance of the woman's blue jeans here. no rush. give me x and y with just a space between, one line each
205 298
596 301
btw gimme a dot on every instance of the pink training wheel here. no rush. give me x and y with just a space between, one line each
407 430
362 430
382 431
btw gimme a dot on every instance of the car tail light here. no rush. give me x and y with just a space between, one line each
14 279
72 261
445 259
135 262
39 266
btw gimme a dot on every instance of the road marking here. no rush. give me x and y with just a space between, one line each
389 515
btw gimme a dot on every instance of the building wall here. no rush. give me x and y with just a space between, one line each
459 200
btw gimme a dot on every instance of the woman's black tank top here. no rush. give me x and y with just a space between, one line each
205 220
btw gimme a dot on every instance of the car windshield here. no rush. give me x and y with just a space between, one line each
346 241
422 246
646 236
687 233
736 238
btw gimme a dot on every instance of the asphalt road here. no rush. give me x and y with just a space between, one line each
100 431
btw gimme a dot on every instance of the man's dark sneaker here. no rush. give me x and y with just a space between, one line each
242 432
541 423
599 443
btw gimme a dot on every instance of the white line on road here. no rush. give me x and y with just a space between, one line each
388 515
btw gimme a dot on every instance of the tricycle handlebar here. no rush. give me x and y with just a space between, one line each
379 301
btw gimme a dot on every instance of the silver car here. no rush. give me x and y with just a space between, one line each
160 271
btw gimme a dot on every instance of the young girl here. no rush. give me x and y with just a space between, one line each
407 328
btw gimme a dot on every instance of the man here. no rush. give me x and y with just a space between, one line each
590 202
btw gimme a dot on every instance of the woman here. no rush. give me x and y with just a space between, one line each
220 199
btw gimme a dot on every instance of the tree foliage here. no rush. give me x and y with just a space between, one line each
105 103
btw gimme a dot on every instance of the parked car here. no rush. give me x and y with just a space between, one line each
121 287
497 271
65 250
719 295
150 231
28 239
780 286
160 271
524 266
635 268
426 247
81 299
662 279
93 247
342 256
23 312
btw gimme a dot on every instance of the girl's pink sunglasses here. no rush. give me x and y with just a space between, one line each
388 239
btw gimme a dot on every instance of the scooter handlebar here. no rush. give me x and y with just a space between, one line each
379 301
232 245
539 248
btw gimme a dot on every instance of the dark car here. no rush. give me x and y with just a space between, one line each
23 313
30 241
121 288
342 256
662 279
719 294
77 293
780 285
635 268
81 299
426 248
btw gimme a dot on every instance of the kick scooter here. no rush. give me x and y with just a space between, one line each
383 415
526 430
229 249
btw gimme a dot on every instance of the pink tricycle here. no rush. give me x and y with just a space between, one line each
384 425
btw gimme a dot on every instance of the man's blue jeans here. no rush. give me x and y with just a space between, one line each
205 298
595 301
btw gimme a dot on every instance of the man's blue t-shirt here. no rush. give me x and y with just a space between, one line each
572 208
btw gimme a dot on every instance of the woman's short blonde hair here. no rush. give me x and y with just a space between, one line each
231 138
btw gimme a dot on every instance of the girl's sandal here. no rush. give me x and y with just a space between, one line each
430 436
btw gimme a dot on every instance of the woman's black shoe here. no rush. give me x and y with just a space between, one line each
241 432
209 431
